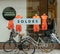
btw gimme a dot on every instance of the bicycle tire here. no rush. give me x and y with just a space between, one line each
9 46
47 48
28 47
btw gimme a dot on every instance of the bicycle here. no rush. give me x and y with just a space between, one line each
41 44
23 44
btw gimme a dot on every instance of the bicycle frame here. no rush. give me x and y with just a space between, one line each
35 42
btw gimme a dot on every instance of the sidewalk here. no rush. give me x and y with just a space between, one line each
37 52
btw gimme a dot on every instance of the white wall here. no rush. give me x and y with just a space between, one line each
20 7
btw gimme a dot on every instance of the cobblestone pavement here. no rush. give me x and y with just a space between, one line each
36 52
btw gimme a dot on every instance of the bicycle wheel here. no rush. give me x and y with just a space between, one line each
9 46
47 47
27 47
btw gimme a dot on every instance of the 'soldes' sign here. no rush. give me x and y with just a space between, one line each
9 13
27 21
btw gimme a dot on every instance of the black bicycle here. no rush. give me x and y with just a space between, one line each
24 45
